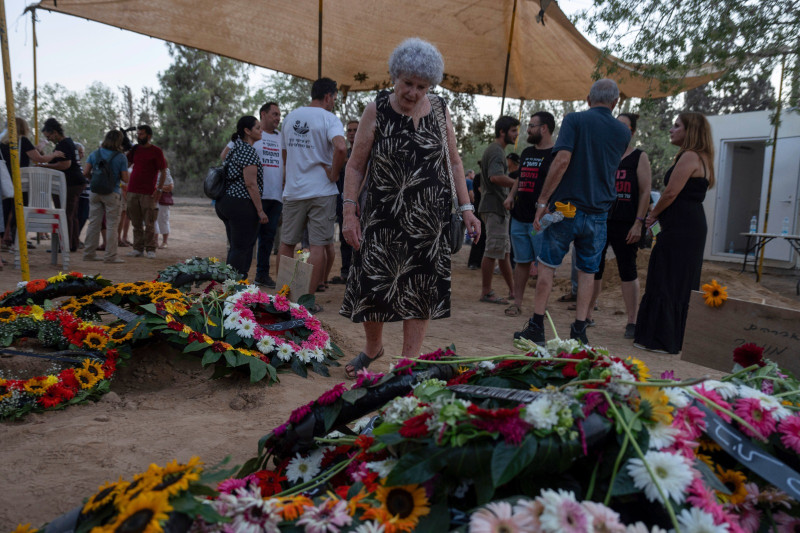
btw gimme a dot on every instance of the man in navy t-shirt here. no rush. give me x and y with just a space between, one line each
580 183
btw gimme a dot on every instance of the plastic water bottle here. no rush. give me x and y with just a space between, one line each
551 218
730 247
753 224
785 228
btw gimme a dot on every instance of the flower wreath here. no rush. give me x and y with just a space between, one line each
196 270
39 290
211 326
132 294
87 378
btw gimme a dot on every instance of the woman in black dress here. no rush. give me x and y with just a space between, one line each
677 258
401 259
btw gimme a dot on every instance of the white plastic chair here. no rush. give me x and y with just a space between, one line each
40 213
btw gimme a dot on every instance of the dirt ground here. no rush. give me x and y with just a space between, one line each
163 405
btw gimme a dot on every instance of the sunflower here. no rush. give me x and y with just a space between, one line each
118 335
714 294
85 378
734 481
37 386
105 292
142 515
175 478
7 315
175 307
94 367
171 292
284 291
705 458
126 289
5 390
708 444
405 502
641 368
654 405
104 495
95 341
83 301
390 522
25 528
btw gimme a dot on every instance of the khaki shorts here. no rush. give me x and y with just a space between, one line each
318 213
498 243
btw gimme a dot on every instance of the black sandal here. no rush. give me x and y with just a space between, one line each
360 362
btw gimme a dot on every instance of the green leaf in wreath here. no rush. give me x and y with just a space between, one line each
220 371
438 519
211 357
233 338
330 413
149 307
320 369
195 346
417 466
230 358
299 368
306 300
258 369
353 395
509 460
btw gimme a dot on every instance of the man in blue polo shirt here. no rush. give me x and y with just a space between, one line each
580 183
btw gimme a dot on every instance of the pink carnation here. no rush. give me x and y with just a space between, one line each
280 430
790 432
404 366
752 412
281 303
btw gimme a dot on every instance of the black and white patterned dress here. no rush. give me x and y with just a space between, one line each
242 155
402 270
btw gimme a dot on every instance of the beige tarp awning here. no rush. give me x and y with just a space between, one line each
550 61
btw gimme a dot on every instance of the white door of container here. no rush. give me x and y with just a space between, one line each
784 195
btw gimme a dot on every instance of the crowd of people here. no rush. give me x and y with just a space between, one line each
119 186
392 180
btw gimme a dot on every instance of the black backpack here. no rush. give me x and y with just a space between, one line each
103 179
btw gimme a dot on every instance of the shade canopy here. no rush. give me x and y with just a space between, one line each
550 61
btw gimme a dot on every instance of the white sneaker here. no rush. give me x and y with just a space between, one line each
150 255
135 253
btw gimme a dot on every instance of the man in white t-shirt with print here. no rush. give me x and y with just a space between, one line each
314 151
269 151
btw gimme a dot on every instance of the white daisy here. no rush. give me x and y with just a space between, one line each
318 355
662 436
695 520
231 323
486 365
285 352
673 473
541 413
246 328
677 397
382 468
266 344
303 468
305 356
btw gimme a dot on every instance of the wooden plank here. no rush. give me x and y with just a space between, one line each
712 333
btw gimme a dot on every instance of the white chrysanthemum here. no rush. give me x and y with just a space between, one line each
318 355
695 520
231 323
662 436
618 371
266 344
677 396
246 328
400 409
767 401
303 468
673 473
369 527
285 352
382 468
541 413
724 389
486 365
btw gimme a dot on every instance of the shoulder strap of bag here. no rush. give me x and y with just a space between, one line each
441 117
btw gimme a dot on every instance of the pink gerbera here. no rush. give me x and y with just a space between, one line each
714 398
790 432
690 420
759 418
786 523
603 519
700 495
567 516
499 517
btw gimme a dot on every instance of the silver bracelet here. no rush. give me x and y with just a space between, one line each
466 207
349 201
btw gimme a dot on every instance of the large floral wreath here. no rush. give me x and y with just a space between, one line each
39 290
197 270
84 378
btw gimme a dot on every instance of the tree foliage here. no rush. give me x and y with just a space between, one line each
745 37
202 97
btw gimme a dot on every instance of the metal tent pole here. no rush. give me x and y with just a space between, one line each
508 57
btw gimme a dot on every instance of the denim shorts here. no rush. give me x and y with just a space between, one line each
525 241
586 230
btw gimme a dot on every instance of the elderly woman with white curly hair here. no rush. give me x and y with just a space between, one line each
401 261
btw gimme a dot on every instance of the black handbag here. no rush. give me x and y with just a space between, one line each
456 220
214 184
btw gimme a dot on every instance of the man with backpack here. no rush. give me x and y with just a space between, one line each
105 168
144 191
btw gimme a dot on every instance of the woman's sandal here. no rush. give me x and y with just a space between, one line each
513 310
360 362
